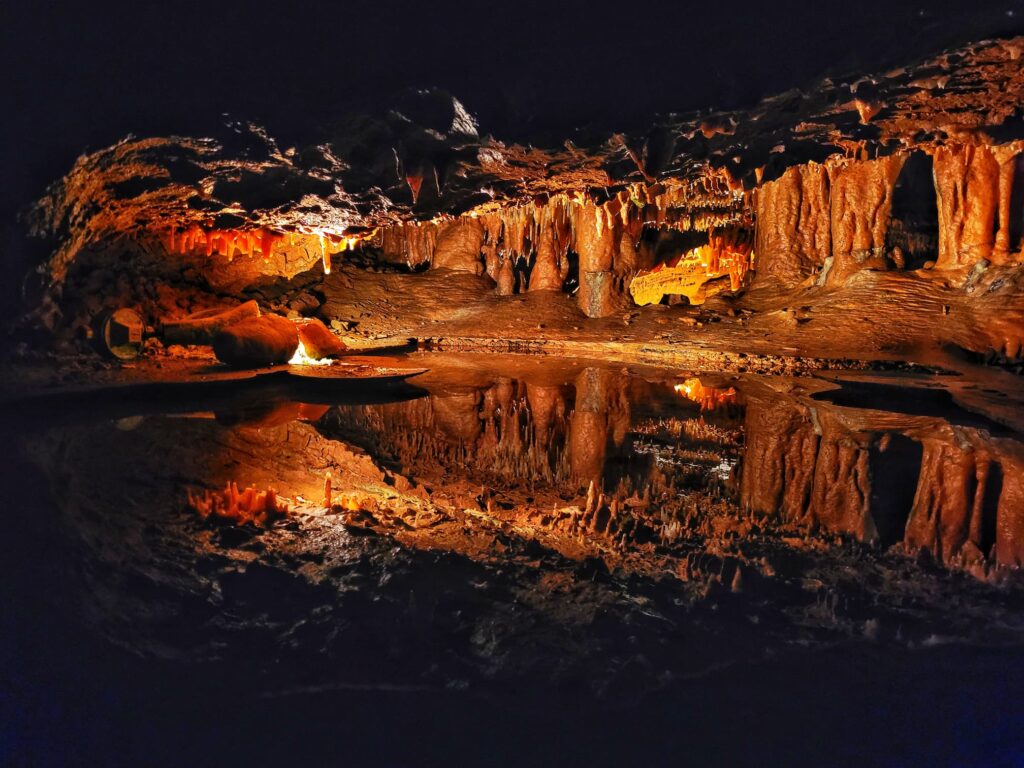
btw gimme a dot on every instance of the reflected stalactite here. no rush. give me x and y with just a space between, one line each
814 467
707 397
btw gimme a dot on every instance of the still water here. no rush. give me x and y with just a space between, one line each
634 558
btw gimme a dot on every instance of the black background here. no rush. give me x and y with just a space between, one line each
82 75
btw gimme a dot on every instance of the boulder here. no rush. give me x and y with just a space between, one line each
266 340
318 340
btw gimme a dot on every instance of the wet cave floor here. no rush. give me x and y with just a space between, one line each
522 560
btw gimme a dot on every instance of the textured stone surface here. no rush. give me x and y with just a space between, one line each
458 247
317 339
266 340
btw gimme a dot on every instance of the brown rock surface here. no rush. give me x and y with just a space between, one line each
266 340
317 339
458 247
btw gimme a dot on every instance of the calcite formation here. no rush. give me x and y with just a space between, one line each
239 507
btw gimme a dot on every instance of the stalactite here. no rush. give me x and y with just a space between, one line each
793 224
549 270
949 503
726 253
831 216
226 242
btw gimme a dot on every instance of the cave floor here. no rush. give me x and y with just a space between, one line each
917 323
550 557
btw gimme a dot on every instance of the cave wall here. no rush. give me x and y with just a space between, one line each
836 216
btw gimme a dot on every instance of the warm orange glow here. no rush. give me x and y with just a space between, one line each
726 253
866 109
350 503
709 398
301 357
327 491
230 505
227 242
250 242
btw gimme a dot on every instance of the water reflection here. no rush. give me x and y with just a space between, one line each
509 515
638 455
624 433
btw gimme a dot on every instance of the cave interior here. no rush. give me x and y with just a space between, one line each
407 417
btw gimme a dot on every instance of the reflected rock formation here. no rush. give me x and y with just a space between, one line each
949 490
581 509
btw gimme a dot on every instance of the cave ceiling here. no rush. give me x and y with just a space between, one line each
428 159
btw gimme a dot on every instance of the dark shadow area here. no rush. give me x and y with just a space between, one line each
914 225
912 401
891 495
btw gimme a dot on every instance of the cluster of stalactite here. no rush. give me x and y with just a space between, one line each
594 246
810 467
226 242
263 242
831 219
975 192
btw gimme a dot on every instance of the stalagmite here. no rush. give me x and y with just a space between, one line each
230 505
599 295
328 496
549 269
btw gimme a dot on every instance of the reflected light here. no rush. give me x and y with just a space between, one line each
709 398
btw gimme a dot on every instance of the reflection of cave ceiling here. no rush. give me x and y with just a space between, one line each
427 157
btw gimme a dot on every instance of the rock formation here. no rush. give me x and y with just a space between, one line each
832 183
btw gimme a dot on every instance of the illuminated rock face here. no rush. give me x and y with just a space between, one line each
794 224
976 212
832 217
458 247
